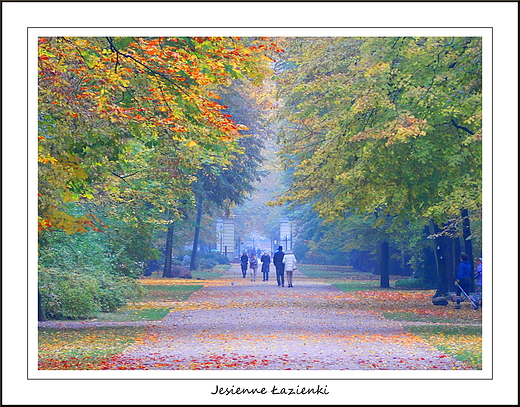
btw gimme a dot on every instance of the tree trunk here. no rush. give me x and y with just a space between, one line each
193 264
468 244
384 264
41 314
167 272
441 246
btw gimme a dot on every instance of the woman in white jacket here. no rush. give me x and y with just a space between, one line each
289 261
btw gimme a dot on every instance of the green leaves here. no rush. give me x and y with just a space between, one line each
371 123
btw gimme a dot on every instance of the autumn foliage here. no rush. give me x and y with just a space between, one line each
146 108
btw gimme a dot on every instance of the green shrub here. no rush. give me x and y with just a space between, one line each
217 257
207 263
69 294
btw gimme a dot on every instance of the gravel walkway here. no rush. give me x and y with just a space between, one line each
239 324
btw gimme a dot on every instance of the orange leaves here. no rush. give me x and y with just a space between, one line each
44 223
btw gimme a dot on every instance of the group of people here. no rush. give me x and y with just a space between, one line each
284 263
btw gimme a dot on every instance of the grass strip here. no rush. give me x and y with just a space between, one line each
151 311
129 314
357 285
322 273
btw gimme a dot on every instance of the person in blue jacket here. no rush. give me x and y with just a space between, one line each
463 277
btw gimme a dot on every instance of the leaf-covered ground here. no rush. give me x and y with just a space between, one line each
233 323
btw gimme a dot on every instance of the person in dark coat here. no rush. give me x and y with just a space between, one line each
244 259
266 261
463 277
278 263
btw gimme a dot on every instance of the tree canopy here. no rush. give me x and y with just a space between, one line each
390 124
135 118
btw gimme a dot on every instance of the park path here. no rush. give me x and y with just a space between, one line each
238 324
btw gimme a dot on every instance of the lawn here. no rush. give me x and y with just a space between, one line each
462 342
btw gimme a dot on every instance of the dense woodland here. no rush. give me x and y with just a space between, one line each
371 146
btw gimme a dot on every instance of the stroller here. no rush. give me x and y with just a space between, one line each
474 302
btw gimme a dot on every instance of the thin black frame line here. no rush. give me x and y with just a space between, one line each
280 378
492 204
277 28
27 210
492 319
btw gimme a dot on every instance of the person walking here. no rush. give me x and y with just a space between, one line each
253 264
289 261
266 261
278 263
463 277
244 259
478 277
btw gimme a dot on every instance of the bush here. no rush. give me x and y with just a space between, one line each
219 258
114 291
207 263
68 295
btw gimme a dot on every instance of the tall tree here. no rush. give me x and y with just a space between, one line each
126 123
390 123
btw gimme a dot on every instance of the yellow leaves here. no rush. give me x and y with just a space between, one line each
67 196
377 69
191 143
80 173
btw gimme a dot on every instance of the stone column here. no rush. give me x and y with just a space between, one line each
228 241
285 234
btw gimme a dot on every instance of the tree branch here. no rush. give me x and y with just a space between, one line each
461 127
123 176
152 71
